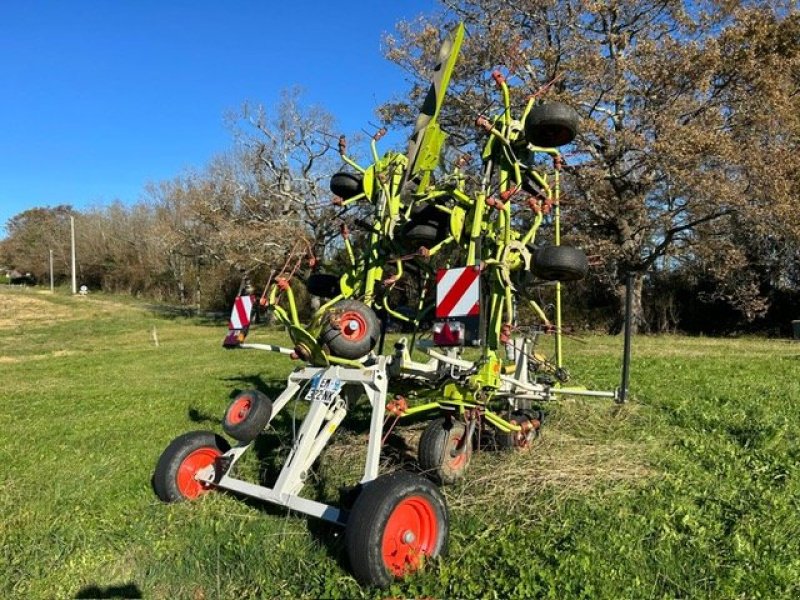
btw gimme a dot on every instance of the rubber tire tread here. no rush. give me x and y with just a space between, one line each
431 453
364 531
165 482
551 125
338 345
423 235
559 263
256 420
323 285
346 185
427 226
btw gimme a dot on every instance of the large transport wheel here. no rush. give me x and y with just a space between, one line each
352 330
247 415
397 521
551 125
559 263
443 451
174 477
323 285
521 440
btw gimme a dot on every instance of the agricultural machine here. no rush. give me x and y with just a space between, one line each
469 242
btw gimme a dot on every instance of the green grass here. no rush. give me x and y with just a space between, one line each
691 490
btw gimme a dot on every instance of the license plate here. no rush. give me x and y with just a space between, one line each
323 389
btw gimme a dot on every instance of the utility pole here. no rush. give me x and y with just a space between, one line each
72 235
52 287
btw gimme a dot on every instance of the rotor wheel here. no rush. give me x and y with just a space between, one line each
323 285
444 453
346 185
551 125
530 422
559 263
174 478
427 227
398 521
352 330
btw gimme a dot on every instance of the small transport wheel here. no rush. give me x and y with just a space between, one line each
559 263
443 451
351 331
551 125
187 454
397 521
247 415
323 285
530 422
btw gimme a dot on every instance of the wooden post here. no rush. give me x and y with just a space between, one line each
72 237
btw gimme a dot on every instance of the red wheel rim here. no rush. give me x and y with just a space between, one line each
521 440
410 533
353 326
189 487
239 410
458 460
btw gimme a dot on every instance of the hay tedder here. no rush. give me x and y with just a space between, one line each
468 242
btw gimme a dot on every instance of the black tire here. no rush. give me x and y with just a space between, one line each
173 480
551 125
397 520
323 285
346 185
427 226
439 454
428 213
422 235
247 415
521 440
351 331
559 263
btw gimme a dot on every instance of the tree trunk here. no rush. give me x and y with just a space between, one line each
638 323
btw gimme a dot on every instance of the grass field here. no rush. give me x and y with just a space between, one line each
692 490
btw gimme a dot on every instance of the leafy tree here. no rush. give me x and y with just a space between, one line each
30 237
689 116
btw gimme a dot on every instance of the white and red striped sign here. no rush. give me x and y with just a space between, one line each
240 315
458 292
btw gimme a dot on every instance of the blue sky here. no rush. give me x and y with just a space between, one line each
99 98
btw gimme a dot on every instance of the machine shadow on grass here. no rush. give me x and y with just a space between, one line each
126 590
201 317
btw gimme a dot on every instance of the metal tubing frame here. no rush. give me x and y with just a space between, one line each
318 426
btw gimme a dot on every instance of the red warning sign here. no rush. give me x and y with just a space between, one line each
240 314
458 292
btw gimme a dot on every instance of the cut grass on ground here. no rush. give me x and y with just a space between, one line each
691 490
